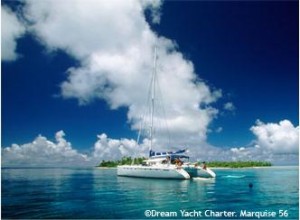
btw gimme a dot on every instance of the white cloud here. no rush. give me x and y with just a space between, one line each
113 149
229 106
114 44
275 142
281 138
86 27
11 30
42 152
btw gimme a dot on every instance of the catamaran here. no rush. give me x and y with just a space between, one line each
164 165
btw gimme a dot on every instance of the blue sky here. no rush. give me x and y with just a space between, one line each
248 51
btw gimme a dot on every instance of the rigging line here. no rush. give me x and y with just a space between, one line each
152 99
164 116
148 104
143 118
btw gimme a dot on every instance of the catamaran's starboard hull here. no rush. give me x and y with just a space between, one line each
152 172
199 172
207 173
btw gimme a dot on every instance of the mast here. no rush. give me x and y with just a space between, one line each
152 100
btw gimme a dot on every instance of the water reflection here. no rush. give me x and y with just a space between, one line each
167 194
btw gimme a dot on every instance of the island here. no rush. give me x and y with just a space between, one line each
216 164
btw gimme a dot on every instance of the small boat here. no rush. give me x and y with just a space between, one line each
164 165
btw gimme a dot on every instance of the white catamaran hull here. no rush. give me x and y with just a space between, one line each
164 172
167 172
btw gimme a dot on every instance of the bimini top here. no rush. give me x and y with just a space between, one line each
176 154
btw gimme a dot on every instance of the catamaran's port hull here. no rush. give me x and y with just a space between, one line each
152 172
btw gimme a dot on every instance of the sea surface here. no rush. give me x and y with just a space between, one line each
93 193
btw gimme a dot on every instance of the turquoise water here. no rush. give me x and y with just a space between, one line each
69 193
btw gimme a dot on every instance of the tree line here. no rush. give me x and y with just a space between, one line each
238 164
123 161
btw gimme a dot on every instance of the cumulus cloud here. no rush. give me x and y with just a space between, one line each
275 142
280 138
107 148
87 27
42 152
11 30
114 44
